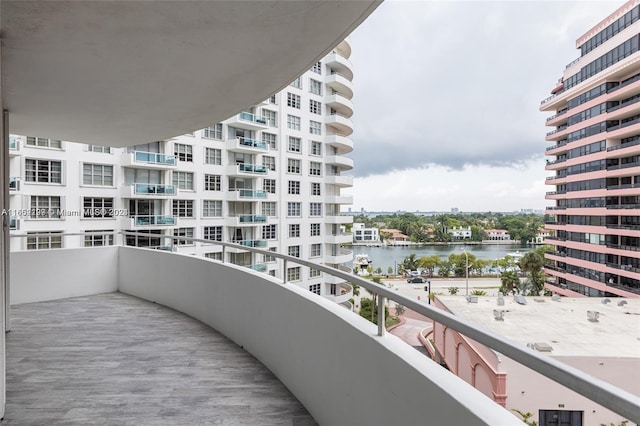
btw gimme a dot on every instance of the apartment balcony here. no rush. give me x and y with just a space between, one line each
557 134
339 180
246 307
148 160
340 103
344 163
558 148
246 195
340 64
249 121
340 142
342 238
337 219
246 145
14 184
342 124
14 146
339 256
246 169
344 292
141 221
245 220
339 199
339 83
148 190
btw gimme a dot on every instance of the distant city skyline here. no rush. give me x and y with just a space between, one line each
447 101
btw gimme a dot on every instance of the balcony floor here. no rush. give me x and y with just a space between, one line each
113 359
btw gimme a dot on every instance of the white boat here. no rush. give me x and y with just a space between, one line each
361 264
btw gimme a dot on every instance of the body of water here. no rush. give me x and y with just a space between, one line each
384 257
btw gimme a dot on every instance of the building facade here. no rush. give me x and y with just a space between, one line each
595 163
365 235
269 177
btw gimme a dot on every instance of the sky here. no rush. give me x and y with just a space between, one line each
446 98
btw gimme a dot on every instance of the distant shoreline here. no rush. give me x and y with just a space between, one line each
452 243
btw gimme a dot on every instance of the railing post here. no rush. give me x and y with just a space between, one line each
284 271
381 319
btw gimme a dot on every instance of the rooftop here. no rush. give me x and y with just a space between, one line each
116 359
562 324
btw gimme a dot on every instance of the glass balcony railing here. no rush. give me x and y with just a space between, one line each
247 116
14 183
260 267
252 243
154 188
154 158
252 143
252 218
13 143
154 220
252 193
13 223
252 168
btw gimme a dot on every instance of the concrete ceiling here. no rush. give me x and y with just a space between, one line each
120 73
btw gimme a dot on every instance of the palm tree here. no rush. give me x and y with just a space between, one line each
532 263
410 263
510 282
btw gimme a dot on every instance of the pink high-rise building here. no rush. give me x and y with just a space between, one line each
595 161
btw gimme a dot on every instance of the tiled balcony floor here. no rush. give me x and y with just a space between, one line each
113 359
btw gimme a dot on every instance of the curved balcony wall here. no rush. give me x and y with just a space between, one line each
340 142
344 163
339 83
340 64
340 103
341 124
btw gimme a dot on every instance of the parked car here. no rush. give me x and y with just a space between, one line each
414 280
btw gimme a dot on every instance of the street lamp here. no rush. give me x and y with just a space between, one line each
466 270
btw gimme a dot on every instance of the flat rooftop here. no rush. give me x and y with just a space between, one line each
113 359
562 324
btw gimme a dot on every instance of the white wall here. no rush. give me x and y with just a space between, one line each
40 275
328 357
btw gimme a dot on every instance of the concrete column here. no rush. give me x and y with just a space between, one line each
4 241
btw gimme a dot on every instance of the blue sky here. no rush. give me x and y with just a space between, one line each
446 98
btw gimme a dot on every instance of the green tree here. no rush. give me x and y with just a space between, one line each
510 282
390 270
429 263
369 310
410 263
478 233
444 268
532 263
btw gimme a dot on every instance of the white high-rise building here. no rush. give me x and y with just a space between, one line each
268 177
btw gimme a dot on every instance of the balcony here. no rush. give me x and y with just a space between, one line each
217 294
340 83
341 142
339 180
342 238
245 220
341 123
339 199
14 184
344 163
243 169
148 160
153 220
153 190
246 194
249 121
340 103
14 146
339 256
246 145
14 223
340 64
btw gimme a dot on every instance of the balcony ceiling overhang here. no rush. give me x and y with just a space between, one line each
120 73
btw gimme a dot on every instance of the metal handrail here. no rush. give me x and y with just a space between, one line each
615 399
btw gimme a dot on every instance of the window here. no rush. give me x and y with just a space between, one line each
315 209
272 99
268 258
43 171
315 168
183 152
44 142
294 251
269 185
51 240
45 207
316 250
269 232
294 209
97 174
269 139
317 67
316 148
294 144
271 117
269 162
315 107
212 156
293 122
315 87
314 273
214 256
99 148
211 208
94 207
183 208
293 166
297 83
213 132
294 230
315 229
293 100
315 288
269 208
213 233
212 182
294 187
293 274
183 180
98 238
315 127
183 232
315 188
